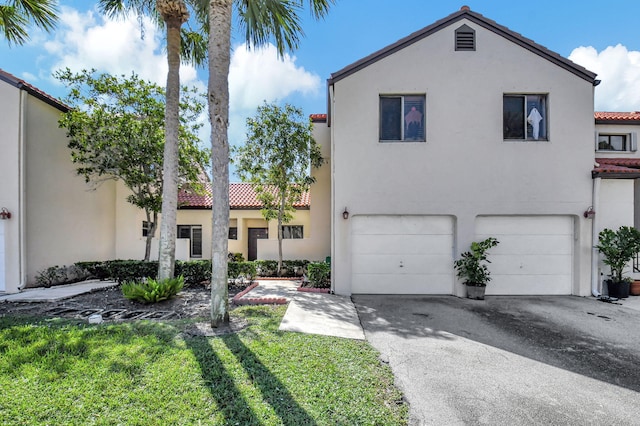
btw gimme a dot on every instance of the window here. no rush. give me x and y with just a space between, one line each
146 227
194 233
525 117
465 38
402 118
292 231
233 233
608 142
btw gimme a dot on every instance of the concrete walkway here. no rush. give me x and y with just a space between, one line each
60 292
312 313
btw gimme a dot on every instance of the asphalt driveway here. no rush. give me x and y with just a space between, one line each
509 360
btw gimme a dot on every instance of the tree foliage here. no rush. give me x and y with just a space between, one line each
16 16
277 160
116 132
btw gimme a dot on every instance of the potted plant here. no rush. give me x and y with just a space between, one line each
472 268
618 248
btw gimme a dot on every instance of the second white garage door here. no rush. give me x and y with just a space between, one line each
534 257
402 254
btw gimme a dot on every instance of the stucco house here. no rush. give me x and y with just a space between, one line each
460 131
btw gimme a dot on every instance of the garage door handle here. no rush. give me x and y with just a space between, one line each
401 265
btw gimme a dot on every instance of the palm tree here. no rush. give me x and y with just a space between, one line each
262 20
17 15
173 13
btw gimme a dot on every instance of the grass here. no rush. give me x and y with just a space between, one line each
140 373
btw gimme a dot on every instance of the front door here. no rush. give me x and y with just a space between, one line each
256 234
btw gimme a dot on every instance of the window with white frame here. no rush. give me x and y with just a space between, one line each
402 118
616 142
194 233
146 227
524 117
292 231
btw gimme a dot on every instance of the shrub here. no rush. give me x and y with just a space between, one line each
295 268
152 291
131 270
242 269
319 274
194 271
266 268
95 269
236 257
52 275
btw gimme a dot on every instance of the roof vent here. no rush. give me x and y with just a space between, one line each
465 38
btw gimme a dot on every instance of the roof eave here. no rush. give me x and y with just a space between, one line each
479 20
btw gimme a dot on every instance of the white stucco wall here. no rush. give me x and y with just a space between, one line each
66 221
465 168
10 270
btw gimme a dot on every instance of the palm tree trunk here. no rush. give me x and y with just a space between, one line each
218 99
280 236
174 13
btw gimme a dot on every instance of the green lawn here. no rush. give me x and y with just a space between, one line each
61 372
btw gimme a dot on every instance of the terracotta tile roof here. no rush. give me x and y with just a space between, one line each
241 196
616 167
318 118
34 91
603 117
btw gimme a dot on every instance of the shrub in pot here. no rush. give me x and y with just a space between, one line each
472 269
618 248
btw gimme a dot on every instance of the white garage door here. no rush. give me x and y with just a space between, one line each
535 254
402 254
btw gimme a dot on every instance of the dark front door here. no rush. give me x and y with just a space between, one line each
256 234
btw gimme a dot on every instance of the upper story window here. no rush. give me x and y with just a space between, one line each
617 142
402 118
524 117
292 231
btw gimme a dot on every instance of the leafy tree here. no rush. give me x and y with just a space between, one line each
116 132
17 15
262 20
277 160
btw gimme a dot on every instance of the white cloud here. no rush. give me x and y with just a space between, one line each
619 70
89 40
27 76
257 75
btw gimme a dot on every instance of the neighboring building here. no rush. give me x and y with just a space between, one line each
616 173
305 237
55 218
460 131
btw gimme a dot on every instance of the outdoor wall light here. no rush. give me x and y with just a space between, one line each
590 213
345 214
4 214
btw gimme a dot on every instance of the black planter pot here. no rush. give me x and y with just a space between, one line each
618 290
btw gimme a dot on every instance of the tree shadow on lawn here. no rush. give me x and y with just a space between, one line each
230 401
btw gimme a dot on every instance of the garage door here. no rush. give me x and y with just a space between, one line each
402 254
535 254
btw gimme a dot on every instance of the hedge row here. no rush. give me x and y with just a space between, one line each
194 272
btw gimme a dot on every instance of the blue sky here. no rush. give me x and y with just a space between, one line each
604 37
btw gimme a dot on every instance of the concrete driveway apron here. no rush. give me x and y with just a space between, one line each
509 361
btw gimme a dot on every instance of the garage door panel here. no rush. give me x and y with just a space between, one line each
525 265
402 244
406 284
524 225
535 254
390 264
402 254
531 244
401 225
